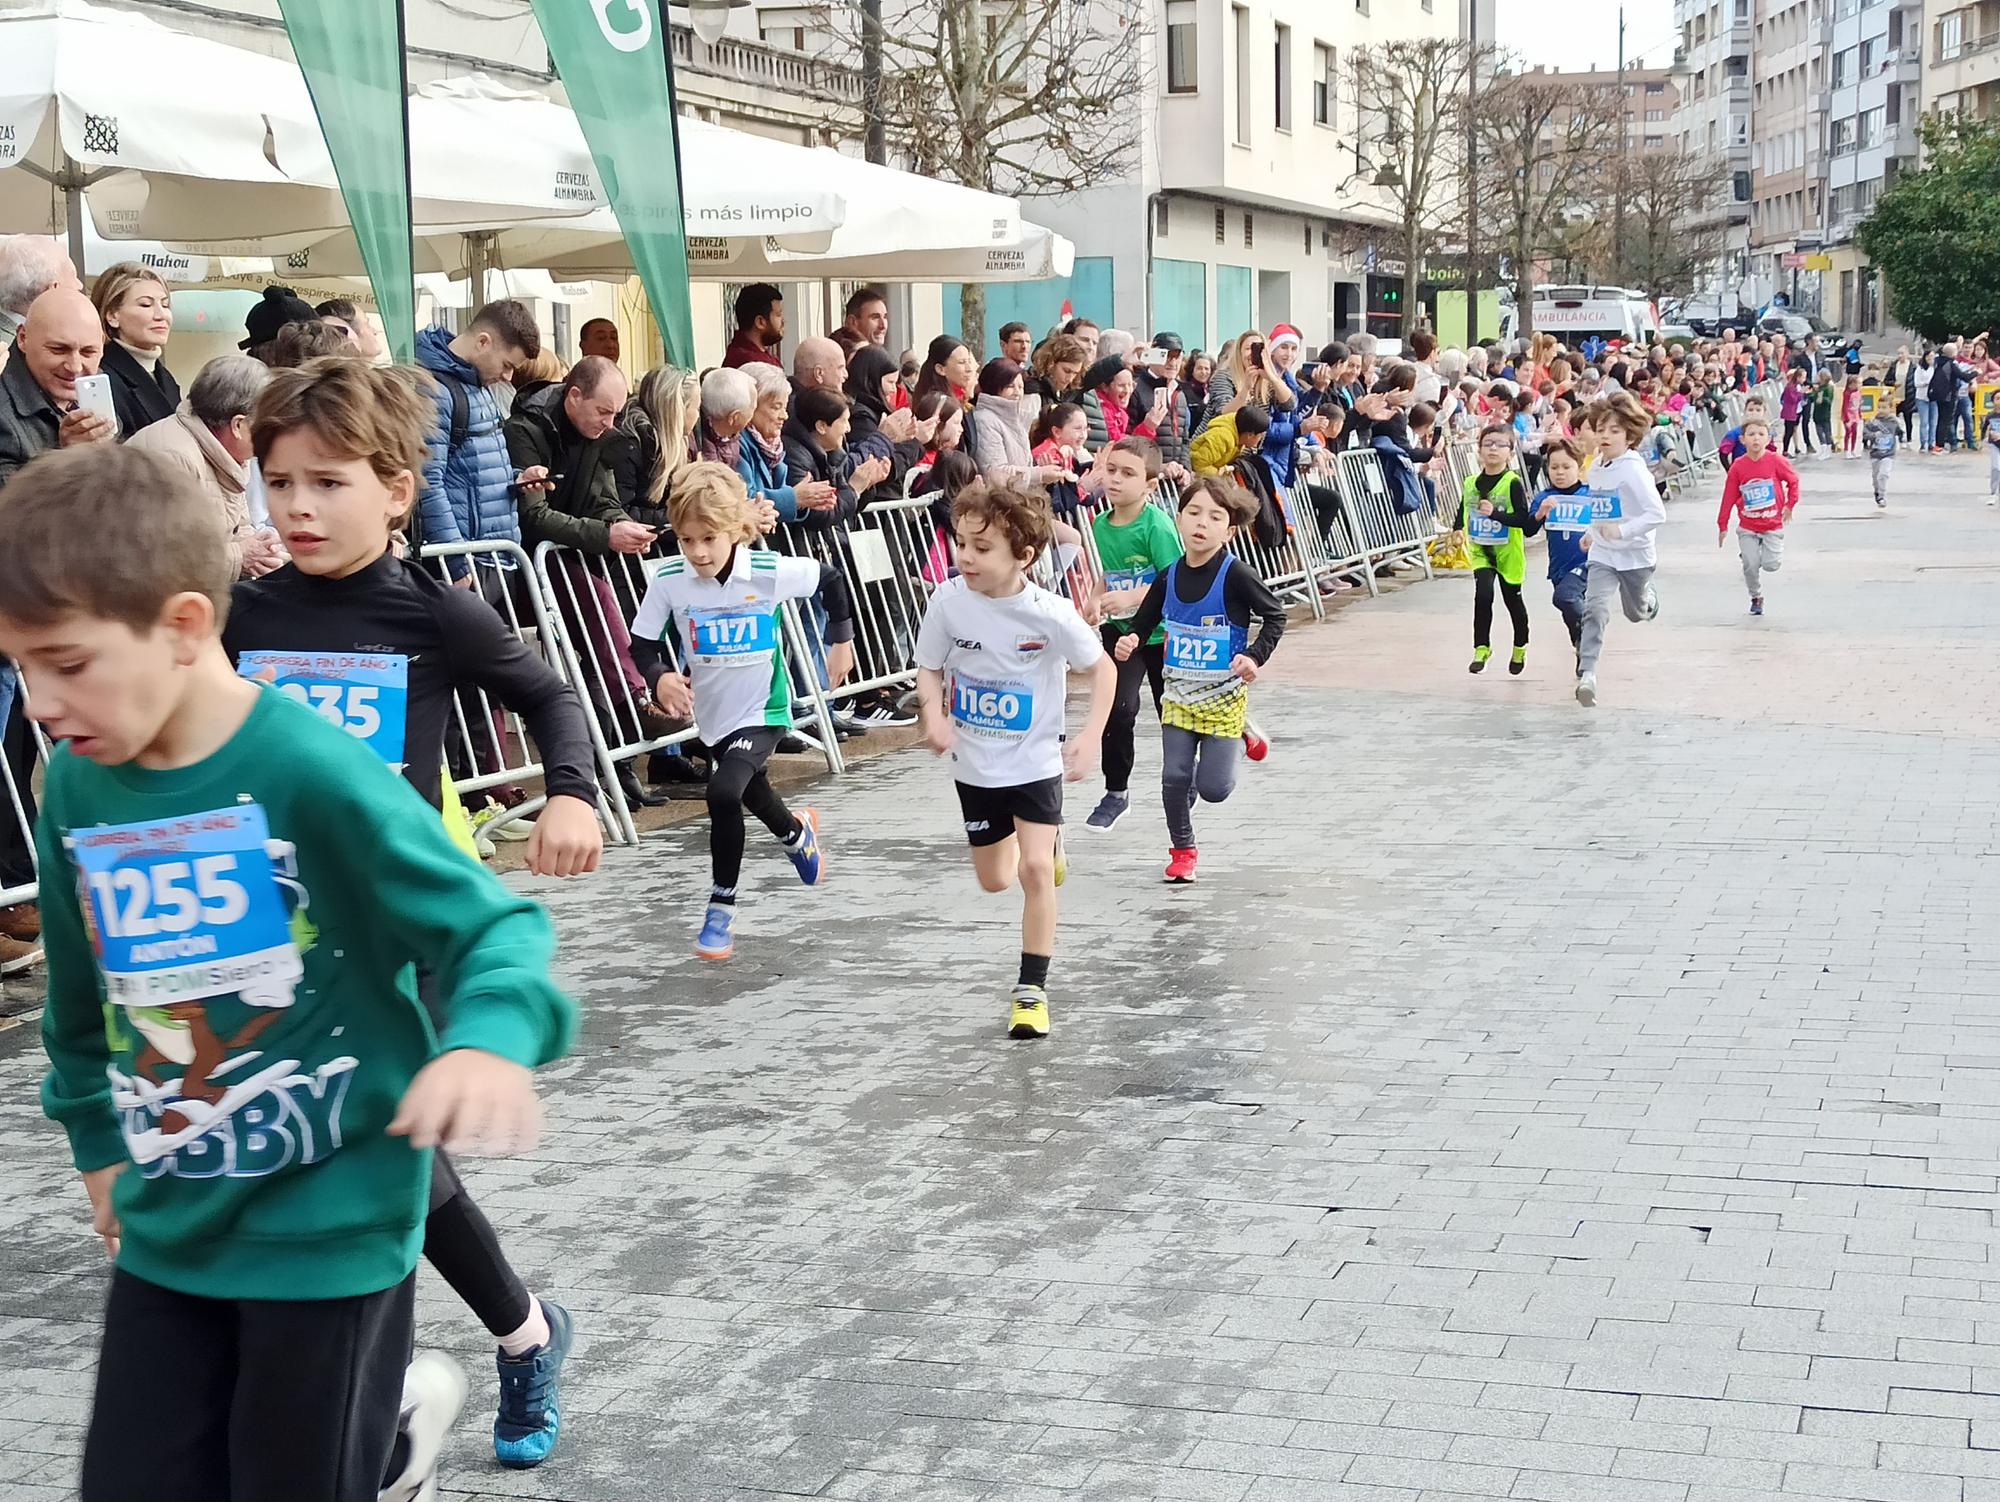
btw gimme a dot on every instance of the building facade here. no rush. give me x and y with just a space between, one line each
1961 57
1874 91
1712 115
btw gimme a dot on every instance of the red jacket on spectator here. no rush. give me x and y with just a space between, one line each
745 350
1773 470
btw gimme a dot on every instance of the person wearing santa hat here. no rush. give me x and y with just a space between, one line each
1288 426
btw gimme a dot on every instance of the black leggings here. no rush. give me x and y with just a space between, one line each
1147 665
737 782
1483 581
459 1241
1794 427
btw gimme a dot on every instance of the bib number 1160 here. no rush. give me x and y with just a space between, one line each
170 897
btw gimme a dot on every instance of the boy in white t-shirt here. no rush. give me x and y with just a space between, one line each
722 601
1626 510
993 659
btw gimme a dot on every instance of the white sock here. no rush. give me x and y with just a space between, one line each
534 1332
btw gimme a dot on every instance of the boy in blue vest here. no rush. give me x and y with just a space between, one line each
1207 602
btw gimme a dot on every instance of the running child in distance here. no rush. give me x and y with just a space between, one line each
1495 515
378 645
1206 602
234 893
1761 492
718 605
1626 511
1135 541
1563 508
993 655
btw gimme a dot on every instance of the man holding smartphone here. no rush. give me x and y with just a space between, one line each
1157 399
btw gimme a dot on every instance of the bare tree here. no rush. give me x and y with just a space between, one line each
1410 99
1545 145
1010 96
1673 235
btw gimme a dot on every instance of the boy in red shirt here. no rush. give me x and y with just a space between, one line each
1763 490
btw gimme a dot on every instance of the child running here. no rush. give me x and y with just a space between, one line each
720 600
993 655
1881 437
377 645
234 893
1626 511
1761 492
1564 509
1495 515
1206 601
1993 455
1135 541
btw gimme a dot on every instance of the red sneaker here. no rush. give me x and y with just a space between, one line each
1180 866
1254 745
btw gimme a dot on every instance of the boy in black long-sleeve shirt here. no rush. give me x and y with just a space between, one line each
378 645
1206 602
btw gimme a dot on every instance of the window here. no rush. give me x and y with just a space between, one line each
1843 67
1656 88
1326 84
1870 130
1654 117
1162 221
1871 56
1242 15
1249 231
1309 239
1182 77
1281 63
1221 226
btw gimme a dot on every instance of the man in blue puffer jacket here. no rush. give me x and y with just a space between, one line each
469 482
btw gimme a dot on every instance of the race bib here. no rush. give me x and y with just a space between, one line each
1197 651
734 638
182 909
1759 497
367 694
1486 531
1605 506
997 711
1121 579
1569 513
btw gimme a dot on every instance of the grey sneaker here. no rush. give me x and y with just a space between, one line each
1110 809
1652 603
1586 690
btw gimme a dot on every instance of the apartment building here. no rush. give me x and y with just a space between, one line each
1651 99
1961 64
1251 202
1712 115
1874 81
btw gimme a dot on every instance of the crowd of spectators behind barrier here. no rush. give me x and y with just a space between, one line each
527 450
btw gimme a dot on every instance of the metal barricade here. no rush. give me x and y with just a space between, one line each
591 600
892 556
1387 534
16 802
487 745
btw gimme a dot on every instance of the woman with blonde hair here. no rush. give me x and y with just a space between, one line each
138 317
650 445
1244 365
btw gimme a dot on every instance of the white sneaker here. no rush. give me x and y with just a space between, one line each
434 1390
1586 690
1652 603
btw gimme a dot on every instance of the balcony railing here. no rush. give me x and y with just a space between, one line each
761 66
1971 47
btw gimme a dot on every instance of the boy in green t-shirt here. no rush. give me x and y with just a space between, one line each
1494 513
1136 542
234 892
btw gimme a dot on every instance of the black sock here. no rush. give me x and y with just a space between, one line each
724 895
1034 969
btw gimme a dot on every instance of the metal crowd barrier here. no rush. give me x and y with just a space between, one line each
19 800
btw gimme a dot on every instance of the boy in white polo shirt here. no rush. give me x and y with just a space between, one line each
992 664
722 599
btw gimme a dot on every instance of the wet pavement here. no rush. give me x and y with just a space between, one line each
1528 1103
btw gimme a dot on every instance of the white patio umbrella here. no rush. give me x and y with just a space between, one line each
211 144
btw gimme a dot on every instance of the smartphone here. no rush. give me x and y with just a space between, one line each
93 394
1152 357
1257 350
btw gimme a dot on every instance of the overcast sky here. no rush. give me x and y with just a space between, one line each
1577 34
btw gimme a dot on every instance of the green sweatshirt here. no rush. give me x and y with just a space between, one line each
232 1007
1135 555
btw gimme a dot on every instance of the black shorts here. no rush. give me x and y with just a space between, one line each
990 812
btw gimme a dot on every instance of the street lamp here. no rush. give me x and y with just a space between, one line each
710 18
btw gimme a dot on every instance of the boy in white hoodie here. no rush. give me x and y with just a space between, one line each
1626 510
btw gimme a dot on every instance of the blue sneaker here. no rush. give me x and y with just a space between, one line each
806 856
718 933
525 1430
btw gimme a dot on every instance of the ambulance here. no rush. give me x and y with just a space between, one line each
1615 315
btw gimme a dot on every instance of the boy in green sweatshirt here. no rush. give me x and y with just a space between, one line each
1495 513
234 891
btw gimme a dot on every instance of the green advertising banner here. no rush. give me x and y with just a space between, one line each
613 58
351 52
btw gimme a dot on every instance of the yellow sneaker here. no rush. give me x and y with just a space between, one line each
1030 1018
1062 860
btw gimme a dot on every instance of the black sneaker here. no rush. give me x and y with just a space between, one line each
1110 809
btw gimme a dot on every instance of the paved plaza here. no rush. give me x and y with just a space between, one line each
1528 1103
